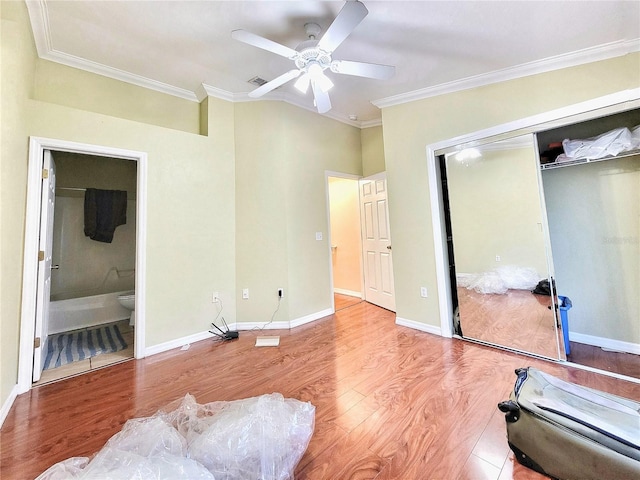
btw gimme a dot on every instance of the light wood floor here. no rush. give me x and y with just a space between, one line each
517 319
521 320
344 301
391 402
617 362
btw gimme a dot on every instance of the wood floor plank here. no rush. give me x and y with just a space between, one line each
391 402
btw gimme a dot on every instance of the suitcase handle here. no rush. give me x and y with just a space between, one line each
512 410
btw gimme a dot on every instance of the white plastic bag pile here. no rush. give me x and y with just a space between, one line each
500 280
256 438
608 144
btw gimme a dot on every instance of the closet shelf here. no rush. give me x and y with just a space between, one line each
582 161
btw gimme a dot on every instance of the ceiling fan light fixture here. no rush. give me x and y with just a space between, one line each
302 84
317 76
323 82
312 57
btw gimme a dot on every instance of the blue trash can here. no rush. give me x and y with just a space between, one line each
565 305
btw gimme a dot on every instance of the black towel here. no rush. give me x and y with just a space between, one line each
104 210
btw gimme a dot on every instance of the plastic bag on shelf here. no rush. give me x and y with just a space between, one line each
261 437
635 137
610 143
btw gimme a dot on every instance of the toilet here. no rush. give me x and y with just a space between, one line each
128 301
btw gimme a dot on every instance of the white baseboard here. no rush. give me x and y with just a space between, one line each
196 337
311 317
6 406
423 327
607 343
282 325
177 343
350 293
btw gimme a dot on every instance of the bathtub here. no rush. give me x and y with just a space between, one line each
82 312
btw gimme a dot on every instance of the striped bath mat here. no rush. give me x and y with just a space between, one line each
70 347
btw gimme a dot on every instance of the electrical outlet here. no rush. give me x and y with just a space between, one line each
215 297
280 292
498 258
423 292
245 293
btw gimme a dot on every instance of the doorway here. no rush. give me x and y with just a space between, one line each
30 310
88 327
361 266
344 237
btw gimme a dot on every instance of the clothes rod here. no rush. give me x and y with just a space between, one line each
74 189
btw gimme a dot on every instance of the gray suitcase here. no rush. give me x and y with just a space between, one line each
569 432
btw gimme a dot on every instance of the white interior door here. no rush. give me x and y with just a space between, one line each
44 264
376 243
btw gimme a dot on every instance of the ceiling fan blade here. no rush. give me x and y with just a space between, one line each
264 43
275 83
323 102
349 17
360 69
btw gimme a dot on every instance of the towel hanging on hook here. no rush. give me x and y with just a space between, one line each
104 210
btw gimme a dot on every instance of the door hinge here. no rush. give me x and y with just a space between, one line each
36 342
40 255
45 173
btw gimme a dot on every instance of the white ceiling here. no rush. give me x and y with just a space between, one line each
185 47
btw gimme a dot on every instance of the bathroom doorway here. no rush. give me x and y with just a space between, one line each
88 327
90 323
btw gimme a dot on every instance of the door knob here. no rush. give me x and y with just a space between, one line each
55 267
388 247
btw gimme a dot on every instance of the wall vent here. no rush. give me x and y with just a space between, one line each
257 81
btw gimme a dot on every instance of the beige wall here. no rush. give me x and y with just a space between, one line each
56 83
410 127
346 246
594 224
237 206
190 223
372 151
282 153
17 57
496 210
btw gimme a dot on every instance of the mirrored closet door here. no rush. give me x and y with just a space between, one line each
498 247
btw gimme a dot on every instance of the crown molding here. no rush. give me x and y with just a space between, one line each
295 100
39 17
205 90
376 122
580 57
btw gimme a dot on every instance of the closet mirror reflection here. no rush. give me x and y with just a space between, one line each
498 247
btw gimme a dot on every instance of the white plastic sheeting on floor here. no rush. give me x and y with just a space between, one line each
261 437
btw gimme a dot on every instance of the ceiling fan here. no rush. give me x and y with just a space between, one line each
312 57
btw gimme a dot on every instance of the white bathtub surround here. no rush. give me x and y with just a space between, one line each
83 312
